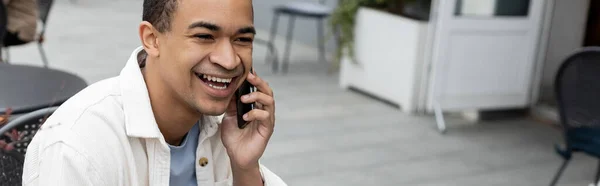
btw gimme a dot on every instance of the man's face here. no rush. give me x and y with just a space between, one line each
207 53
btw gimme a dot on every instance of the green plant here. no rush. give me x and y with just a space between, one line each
343 19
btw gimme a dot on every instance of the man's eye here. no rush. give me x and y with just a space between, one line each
204 36
245 39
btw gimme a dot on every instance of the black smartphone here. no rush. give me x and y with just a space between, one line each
243 108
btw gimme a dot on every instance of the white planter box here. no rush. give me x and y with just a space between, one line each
389 51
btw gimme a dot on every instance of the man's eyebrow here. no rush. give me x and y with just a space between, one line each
245 30
207 25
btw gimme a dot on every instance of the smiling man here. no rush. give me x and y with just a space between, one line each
170 117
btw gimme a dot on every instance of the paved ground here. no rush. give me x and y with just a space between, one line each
325 135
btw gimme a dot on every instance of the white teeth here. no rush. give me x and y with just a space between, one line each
218 87
216 79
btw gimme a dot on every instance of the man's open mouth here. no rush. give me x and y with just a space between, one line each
215 82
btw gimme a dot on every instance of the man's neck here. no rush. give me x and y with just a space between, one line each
173 116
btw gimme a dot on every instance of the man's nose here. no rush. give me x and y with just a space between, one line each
224 55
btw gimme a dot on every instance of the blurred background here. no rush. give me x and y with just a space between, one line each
391 92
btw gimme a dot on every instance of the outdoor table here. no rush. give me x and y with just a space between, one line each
28 88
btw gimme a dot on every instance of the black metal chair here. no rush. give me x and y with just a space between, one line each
11 168
577 87
11 161
44 7
317 11
27 125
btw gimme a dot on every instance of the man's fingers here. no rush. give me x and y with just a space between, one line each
260 84
258 97
264 95
257 114
264 100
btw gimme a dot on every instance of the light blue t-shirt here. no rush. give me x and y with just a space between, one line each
183 160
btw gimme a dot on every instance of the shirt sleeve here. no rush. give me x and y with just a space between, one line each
60 164
270 178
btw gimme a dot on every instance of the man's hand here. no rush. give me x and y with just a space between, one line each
246 146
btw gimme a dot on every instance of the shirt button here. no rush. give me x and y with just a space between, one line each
203 161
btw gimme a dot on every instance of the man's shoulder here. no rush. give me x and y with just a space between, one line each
100 98
94 112
90 124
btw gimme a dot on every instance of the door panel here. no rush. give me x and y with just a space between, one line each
484 54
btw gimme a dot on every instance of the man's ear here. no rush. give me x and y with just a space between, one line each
149 38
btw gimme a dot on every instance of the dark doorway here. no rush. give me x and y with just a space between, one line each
592 33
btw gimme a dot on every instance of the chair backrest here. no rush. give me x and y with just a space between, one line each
25 126
577 88
11 168
44 7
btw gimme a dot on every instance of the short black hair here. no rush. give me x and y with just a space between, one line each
159 13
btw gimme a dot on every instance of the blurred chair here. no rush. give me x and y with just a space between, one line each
577 87
44 7
314 10
27 126
11 168
272 52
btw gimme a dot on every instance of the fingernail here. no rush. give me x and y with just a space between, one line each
244 97
250 75
245 116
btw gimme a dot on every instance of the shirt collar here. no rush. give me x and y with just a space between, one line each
139 118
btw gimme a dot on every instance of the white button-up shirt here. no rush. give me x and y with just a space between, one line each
107 135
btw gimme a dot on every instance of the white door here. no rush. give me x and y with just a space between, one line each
484 53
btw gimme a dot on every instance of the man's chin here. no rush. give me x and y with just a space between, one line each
213 113
215 110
